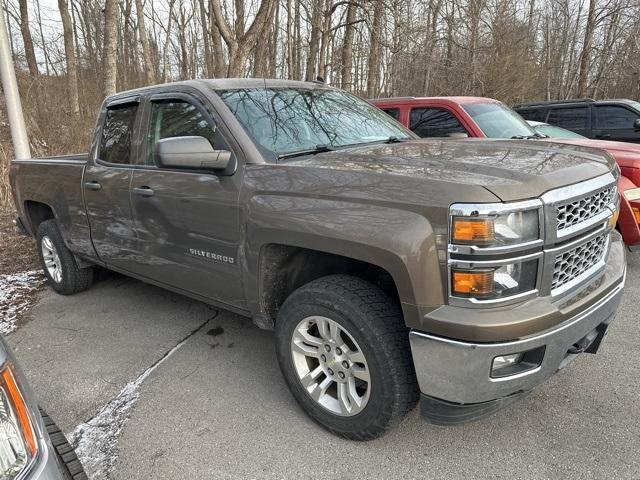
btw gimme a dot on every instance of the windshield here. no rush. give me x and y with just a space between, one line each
556 132
636 106
496 120
287 120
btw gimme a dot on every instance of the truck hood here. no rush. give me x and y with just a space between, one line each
510 169
626 154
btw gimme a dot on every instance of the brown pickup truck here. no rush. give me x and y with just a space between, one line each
392 269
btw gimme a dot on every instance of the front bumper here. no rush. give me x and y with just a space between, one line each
459 372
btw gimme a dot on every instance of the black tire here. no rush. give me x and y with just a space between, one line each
70 466
74 278
376 324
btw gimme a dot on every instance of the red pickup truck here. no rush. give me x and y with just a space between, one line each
480 117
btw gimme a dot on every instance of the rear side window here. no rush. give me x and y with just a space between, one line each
434 122
115 144
570 118
534 114
177 118
611 116
392 112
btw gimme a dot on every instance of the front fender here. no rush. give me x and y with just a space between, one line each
627 223
402 242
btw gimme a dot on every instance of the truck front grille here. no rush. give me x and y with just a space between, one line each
583 209
579 261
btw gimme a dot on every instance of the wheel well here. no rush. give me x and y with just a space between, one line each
37 213
284 268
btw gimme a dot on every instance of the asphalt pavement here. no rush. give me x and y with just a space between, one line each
153 385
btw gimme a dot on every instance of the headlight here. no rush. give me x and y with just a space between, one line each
496 230
494 282
18 443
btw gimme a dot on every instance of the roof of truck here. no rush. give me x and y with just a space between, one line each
458 100
226 83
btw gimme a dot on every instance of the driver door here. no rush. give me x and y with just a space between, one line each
187 221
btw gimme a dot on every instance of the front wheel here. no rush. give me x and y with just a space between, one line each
344 352
58 263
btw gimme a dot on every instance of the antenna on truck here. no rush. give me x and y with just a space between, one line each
11 95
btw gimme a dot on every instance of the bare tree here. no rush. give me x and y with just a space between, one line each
239 41
27 41
144 41
70 57
110 45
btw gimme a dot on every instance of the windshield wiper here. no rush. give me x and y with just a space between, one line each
394 139
320 148
527 137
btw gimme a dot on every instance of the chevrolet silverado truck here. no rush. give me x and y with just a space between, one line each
392 269
480 117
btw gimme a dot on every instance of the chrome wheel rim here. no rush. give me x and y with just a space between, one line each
331 366
51 259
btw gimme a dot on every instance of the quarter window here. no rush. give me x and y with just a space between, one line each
115 144
177 118
569 118
434 122
610 116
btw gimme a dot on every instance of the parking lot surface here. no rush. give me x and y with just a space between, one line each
153 385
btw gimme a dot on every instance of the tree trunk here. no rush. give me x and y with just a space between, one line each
206 41
373 67
314 43
586 49
347 49
144 41
70 57
110 44
29 52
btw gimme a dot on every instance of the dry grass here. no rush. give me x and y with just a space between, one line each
17 252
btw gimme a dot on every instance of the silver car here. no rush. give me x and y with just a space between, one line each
31 445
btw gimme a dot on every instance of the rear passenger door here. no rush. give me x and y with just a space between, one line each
106 184
574 118
429 122
616 122
187 221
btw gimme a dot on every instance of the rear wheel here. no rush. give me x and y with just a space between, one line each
58 263
344 352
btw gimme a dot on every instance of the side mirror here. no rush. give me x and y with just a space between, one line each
636 124
191 153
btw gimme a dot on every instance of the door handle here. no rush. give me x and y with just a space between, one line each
95 186
144 191
603 135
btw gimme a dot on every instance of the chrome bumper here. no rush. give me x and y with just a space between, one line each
459 372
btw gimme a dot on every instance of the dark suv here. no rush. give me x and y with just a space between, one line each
603 119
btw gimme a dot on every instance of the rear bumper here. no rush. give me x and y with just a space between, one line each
460 372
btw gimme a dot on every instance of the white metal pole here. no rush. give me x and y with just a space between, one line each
11 95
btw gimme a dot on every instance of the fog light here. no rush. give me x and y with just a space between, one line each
504 361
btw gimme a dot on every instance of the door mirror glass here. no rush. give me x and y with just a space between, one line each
194 153
636 124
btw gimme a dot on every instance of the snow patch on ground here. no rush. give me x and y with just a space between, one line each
96 441
16 291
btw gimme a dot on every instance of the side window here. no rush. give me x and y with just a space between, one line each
115 144
611 116
434 122
392 112
534 114
177 118
574 118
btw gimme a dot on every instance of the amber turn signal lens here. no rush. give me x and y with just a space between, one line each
473 283
636 213
468 230
8 383
613 219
